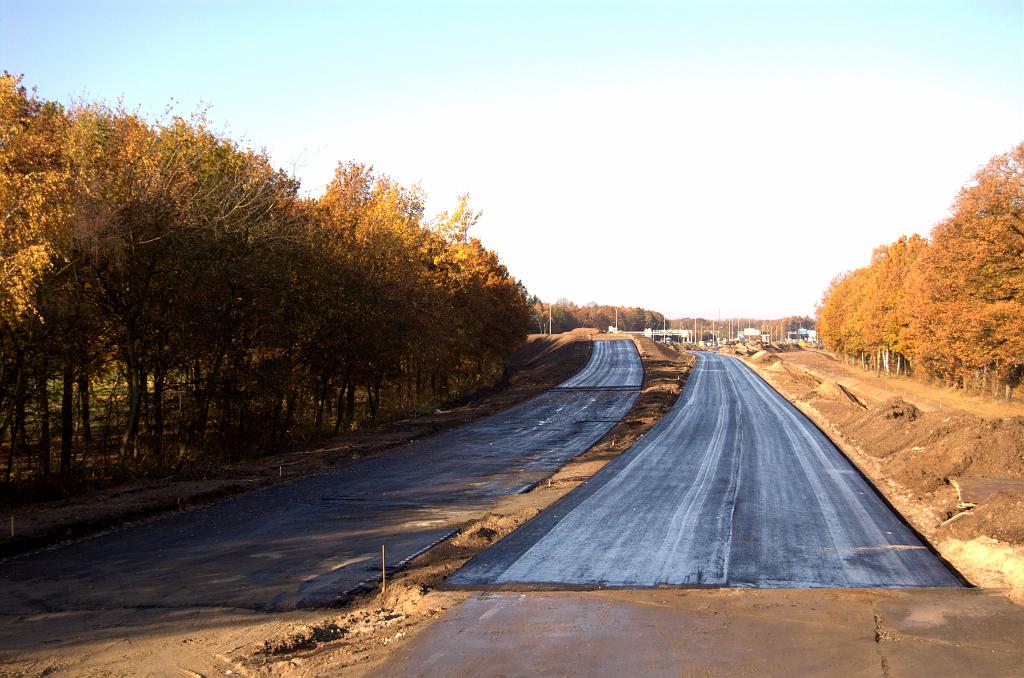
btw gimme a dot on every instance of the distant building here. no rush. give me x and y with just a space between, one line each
802 336
669 335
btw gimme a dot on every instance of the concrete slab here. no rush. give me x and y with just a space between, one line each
673 632
650 633
934 633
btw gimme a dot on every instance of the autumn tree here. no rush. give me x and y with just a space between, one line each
953 304
175 278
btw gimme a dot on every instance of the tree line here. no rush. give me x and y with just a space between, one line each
564 316
950 306
169 296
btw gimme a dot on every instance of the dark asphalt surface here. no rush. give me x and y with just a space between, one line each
734 487
610 367
305 542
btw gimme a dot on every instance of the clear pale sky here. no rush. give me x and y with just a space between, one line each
705 157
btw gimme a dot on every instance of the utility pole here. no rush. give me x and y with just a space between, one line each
549 318
616 318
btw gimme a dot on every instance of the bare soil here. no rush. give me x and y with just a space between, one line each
542 362
927 395
910 452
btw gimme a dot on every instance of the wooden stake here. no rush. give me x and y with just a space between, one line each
383 571
280 471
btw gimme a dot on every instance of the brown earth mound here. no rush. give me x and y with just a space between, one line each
831 390
657 350
490 529
764 357
924 449
1001 516
882 431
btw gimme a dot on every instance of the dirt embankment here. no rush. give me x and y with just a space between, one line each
541 363
358 639
916 459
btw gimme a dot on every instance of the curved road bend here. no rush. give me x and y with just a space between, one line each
734 487
306 542
611 366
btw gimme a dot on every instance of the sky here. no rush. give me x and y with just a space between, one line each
709 158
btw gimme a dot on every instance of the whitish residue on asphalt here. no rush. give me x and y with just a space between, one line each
734 487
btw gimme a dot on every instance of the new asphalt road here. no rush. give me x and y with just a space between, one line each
734 487
306 542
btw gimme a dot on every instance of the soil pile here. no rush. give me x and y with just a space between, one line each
831 390
1001 516
491 528
656 350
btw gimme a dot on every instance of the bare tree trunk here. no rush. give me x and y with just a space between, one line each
16 413
197 430
131 427
370 401
289 412
83 406
18 432
350 403
67 419
346 400
321 404
43 395
158 414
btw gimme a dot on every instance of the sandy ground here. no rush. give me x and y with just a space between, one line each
364 633
880 388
